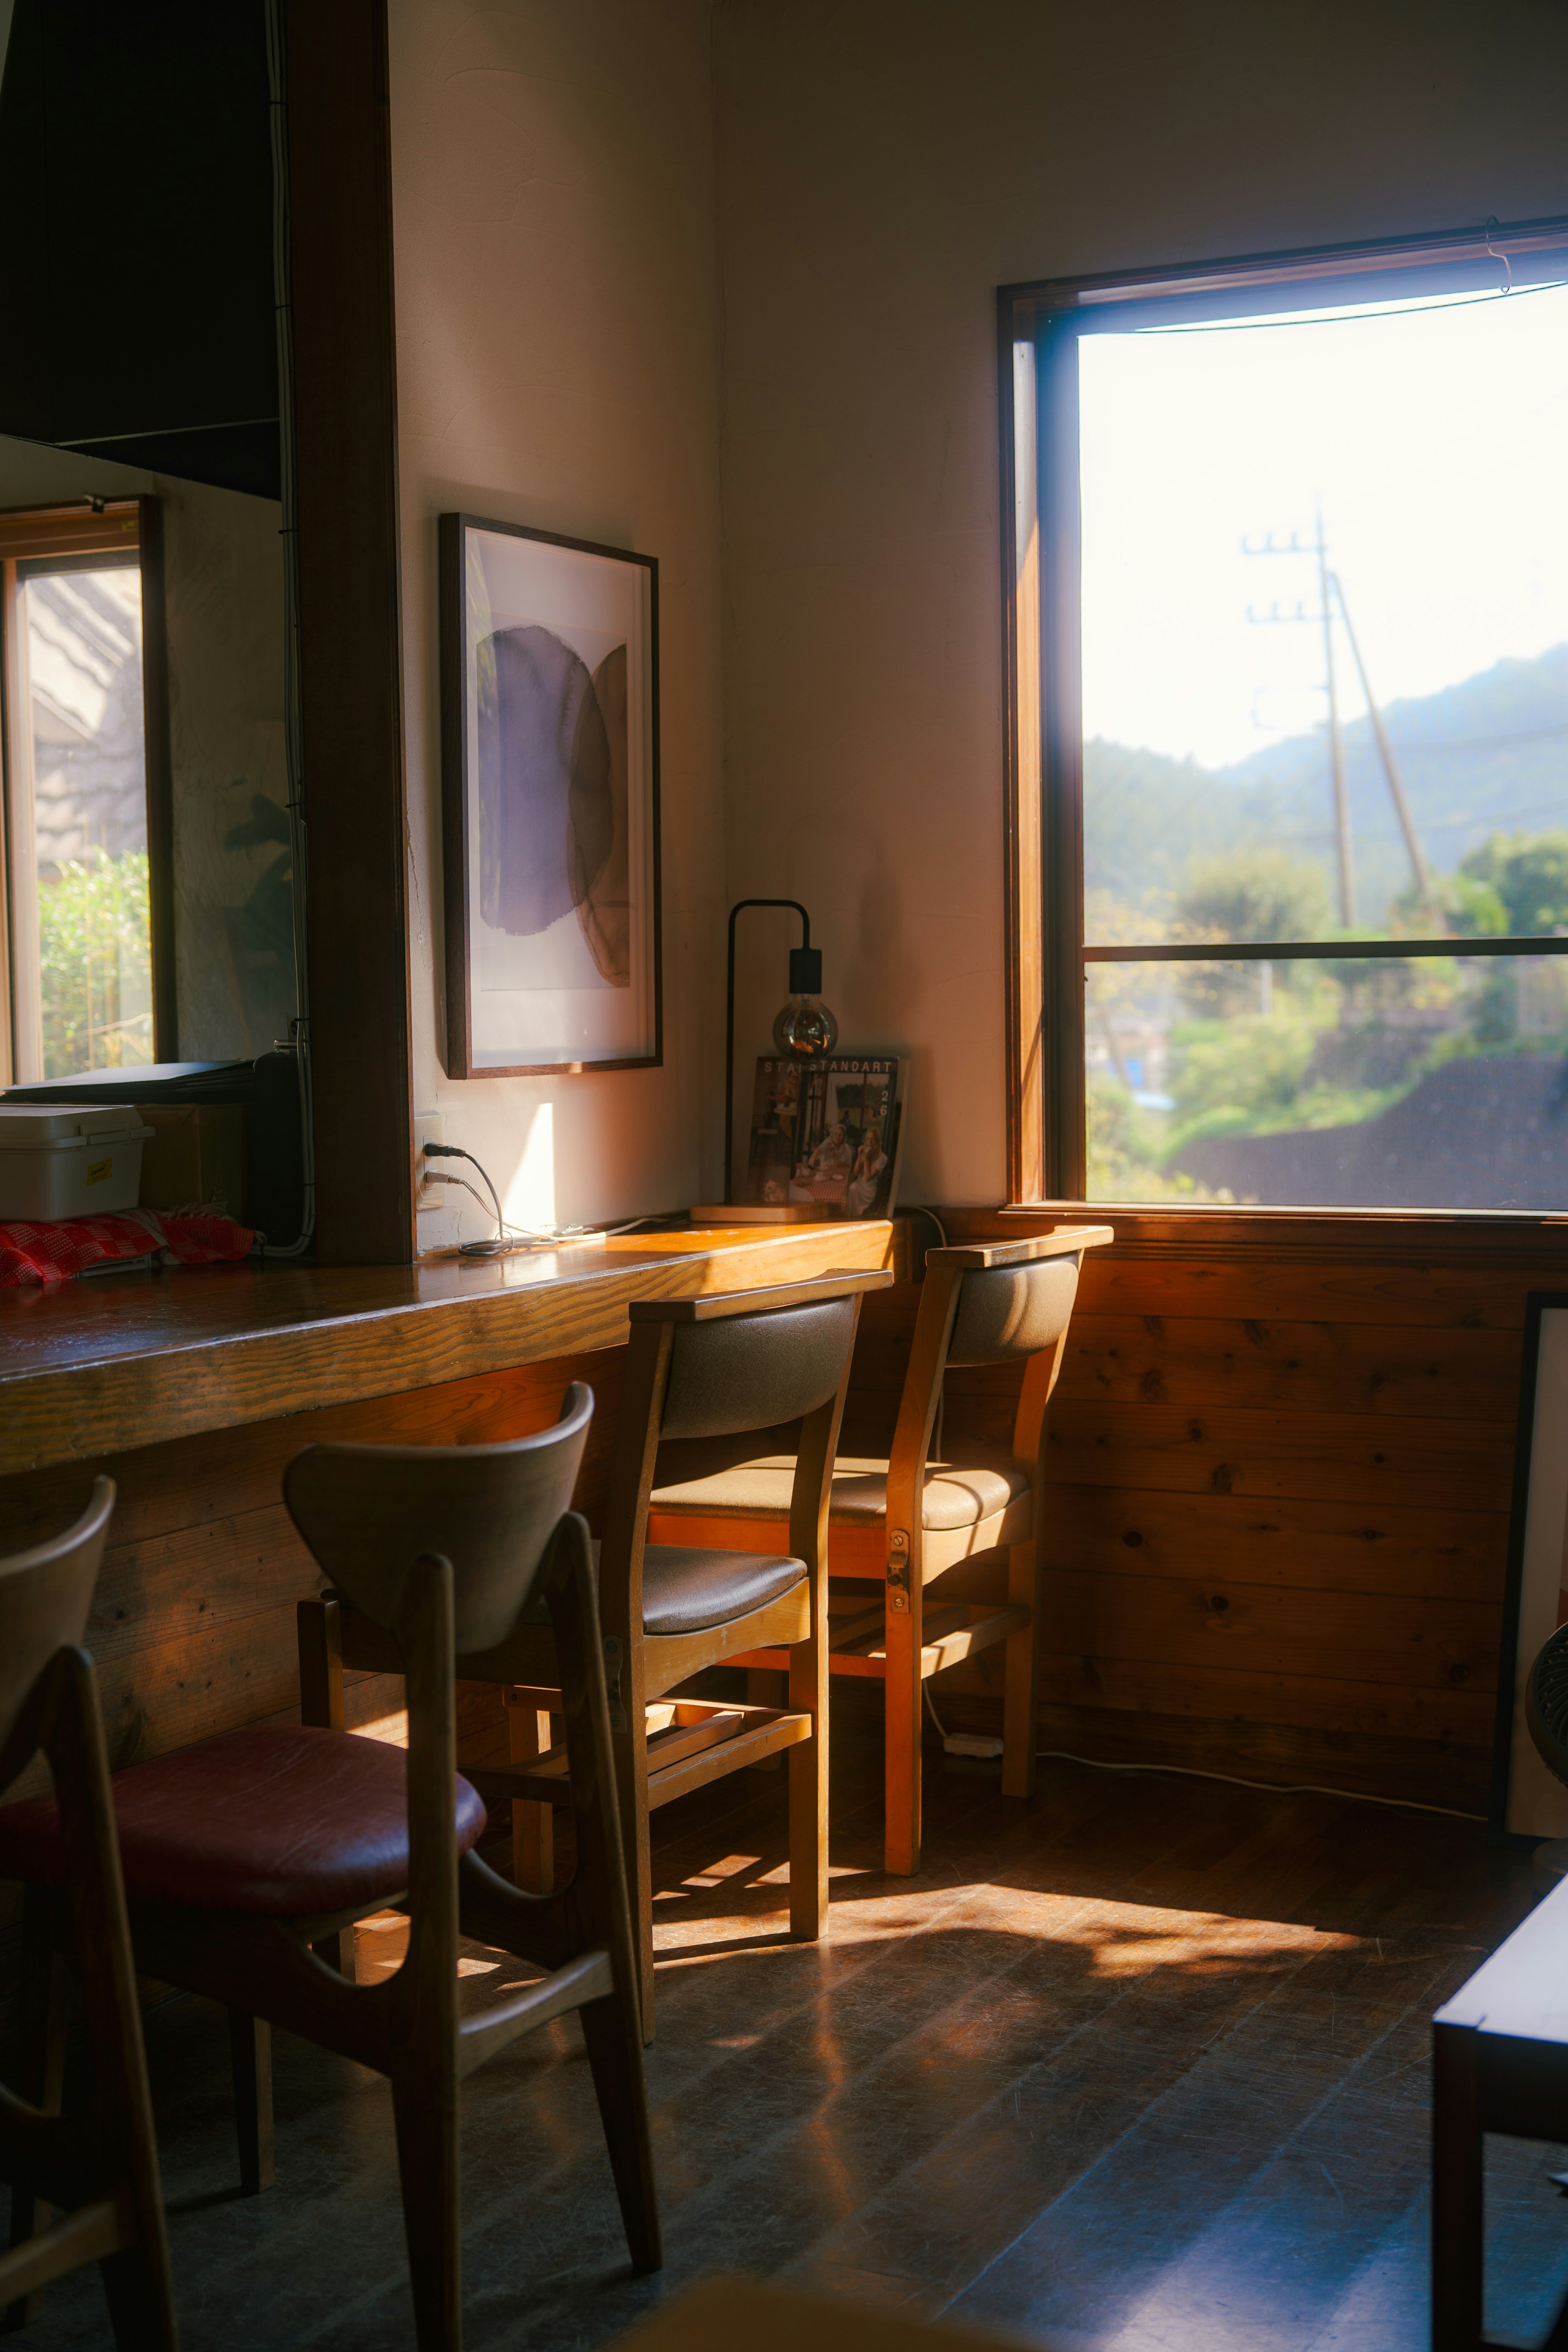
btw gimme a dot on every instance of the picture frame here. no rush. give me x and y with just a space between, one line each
1528 1802
550 791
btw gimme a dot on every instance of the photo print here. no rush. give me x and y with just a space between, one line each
825 1134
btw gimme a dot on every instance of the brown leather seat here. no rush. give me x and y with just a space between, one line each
684 1590
956 1494
273 1819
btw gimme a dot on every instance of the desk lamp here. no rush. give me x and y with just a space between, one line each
804 1029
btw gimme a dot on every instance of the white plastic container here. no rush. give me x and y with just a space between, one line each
72 1160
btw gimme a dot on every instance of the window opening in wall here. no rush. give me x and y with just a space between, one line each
78 856
1299 550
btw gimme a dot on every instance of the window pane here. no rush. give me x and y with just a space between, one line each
1424 1083
90 817
1296 535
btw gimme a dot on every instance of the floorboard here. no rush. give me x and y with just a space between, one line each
1140 2064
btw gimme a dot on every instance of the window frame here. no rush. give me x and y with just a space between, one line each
1040 325
53 534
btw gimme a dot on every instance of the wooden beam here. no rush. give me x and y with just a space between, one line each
345 435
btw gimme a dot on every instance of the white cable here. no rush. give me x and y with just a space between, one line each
1269 1788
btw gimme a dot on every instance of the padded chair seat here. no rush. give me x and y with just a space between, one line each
684 1590
284 1822
957 1494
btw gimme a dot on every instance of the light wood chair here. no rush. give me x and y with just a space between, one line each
702 1373
99 2166
244 1853
907 1521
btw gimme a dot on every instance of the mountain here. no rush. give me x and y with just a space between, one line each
1490 755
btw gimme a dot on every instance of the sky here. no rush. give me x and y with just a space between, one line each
1432 440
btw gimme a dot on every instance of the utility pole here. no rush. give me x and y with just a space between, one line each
1336 742
1418 855
1344 855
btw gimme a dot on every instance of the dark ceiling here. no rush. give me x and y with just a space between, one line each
136 291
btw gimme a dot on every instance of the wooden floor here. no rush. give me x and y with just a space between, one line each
1142 2064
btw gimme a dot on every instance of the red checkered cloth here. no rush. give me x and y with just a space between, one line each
68 1245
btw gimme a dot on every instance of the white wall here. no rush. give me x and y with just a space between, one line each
557 366
224 605
883 167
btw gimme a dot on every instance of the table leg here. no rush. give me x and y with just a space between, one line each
1458 2192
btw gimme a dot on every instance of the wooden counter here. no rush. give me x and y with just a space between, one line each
94 1368
192 1389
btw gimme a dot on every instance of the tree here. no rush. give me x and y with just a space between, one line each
1251 895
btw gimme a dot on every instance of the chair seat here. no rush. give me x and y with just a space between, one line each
957 1494
285 1821
686 1591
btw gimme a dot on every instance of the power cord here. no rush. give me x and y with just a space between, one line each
961 1743
510 1237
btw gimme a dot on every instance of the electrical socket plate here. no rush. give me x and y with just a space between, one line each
432 1192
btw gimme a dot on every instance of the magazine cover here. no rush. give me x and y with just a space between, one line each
825 1134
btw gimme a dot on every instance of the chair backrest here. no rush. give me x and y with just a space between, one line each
368 1512
1007 1311
752 1371
45 1596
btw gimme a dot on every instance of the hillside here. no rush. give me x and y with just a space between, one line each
1490 755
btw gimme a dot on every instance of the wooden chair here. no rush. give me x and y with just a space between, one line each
698 1371
242 1854
905 1521
99 2166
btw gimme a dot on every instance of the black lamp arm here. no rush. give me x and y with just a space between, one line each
738 907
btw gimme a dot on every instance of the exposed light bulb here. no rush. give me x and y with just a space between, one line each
805 1029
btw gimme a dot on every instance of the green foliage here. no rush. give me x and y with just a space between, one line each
95 965
1525 873
1248 894
1125 1147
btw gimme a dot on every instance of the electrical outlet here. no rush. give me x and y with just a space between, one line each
432 1192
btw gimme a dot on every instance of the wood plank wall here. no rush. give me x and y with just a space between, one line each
1281 1453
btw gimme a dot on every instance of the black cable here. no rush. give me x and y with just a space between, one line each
455 1151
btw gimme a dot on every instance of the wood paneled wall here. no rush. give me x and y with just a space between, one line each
1282 1454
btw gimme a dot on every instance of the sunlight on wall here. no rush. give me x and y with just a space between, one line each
529 1199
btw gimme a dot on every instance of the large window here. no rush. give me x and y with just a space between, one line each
84 903
1289 644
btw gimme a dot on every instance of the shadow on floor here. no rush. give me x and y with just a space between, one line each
1141 2063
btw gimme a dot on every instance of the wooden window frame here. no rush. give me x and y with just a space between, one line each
86 527
1039 324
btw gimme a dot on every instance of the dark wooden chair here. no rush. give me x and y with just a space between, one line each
698 1371
904 1522
242 1854
100 2165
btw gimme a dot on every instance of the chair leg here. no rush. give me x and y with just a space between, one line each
766 1687
40 2073
808 1795
1020 1701
902 1688
614 2041
250 2051
140 2298
631 1791
532 1826
424 2106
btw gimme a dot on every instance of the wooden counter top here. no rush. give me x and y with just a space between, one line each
97 1366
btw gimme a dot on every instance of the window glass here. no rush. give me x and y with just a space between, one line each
83 649
1325 699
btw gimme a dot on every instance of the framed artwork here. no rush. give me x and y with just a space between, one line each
1528 1801
550 801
